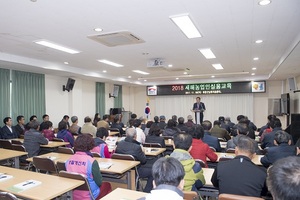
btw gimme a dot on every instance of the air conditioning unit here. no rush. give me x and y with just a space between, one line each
156 63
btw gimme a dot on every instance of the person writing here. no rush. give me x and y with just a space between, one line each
198 109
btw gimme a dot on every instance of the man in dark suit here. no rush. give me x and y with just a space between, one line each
8 131
208 139
20 127
281 150
240 175
198 108
130 146
268 138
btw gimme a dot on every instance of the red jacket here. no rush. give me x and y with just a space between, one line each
201 150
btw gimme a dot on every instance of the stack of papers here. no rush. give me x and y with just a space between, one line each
105 165
51 157
25 185
4 177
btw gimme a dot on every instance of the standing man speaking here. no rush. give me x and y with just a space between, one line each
198 109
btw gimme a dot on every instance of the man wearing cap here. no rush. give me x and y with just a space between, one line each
190 122
162 122
198 109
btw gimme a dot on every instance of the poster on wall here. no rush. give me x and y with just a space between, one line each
208 88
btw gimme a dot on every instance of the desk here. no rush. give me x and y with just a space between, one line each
112 133
151 151
51 187
208 189
6 154
118 167
51 144
121 193
169 142
255 160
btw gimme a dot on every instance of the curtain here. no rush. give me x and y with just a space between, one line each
28 94
5 94
227 105
118 102
100 98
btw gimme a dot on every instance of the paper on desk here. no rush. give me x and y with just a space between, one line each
105 165
51 157
24 185
4 177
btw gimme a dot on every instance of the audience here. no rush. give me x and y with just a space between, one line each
162 122
33 139
284 179
96 119
208 139
240 175
75 129
200 149
229 123
174 118
33 117
130 146
88 127
104 122
20 128
181 126
168 183
281 149
193 179
83 144
8 131
118 124
156 120
140 135
219 132
45 119
66 119
63 133
190 122
148 126
143 123
268 139
48 130
170 129
267 126
100 144
223 124
154 136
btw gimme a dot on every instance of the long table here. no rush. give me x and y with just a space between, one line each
255 159
51 144
124 194
113 173
7 154
50 187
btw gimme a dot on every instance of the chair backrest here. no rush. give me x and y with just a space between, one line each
65 150
77 176
155 145
45 164
122 156
212 148
230 150
5 144
58 139
61 166
16 142
190 195
237 197
201 162
18 147
95 154
7 196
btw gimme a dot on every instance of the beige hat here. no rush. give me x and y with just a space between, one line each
189 117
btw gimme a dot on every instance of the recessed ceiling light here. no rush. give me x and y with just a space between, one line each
177 78
186 25
213 76
140 72
145 80
56 46
207 53
253 68
264 2
170 65
185 73
66 63
252 74
129 76
256 58
258 41
217 66
104 71
110 63
98 29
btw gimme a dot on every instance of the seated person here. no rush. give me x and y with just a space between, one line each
83 144
154 136
88 127
162 122
148 126
193 179
20 127
100 144
168 174
281 150
140 135
33 139
118 124
74 128
284 178
219 132
208 139
181 126
171 129
268 139
240 175
63 133
130 146
104 122
8 131
48 130
200 149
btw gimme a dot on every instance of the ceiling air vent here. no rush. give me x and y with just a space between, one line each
116 39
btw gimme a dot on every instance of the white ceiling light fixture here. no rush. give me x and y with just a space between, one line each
253 68
185 73
110 63
177 78
256 58
98 29
140 72
207 53
186 25
217 66
252 74
129 76
145 80
213 76
56 46
170 65
66 63
264 2
104 71
258 41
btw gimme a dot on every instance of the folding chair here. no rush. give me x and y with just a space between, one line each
65 150
58 139
154 145
96 155
44 164
230 150
61 166
23 163
190 195
16 142
7 196
5 144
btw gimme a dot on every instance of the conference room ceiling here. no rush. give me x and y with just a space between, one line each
228 27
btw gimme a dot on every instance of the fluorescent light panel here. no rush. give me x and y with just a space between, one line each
207 53
217 66
110 63
186 25
140 72
56 46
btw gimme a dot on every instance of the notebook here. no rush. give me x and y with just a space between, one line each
25 185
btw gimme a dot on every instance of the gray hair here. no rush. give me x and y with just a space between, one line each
74 119
246 144
131 132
